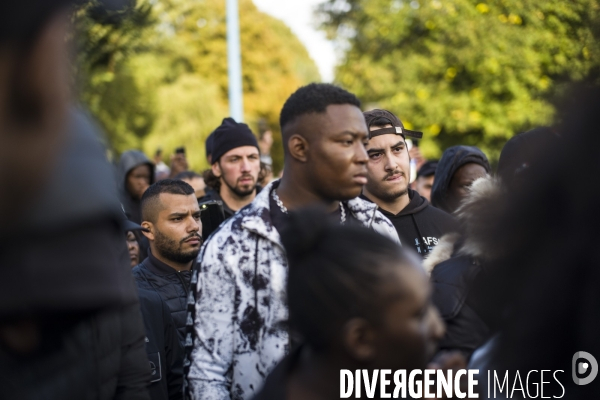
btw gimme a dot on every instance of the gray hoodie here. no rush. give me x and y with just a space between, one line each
129 160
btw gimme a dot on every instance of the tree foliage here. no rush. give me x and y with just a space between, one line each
156 73
464 71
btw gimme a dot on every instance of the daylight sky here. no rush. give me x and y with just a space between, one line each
298 15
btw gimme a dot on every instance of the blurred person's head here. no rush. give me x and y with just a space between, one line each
171 215
137 172
547 234
521 151
34 95
194 180
324 137
356 298
265 141
425 179
158 155
134 249
458 168
389 162
236 159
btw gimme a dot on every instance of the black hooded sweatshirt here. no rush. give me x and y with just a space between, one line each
419 225
453 158
130 160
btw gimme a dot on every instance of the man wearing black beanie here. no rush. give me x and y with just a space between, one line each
235 161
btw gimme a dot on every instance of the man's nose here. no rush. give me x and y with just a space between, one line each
194 225
361 156
390 163
245 165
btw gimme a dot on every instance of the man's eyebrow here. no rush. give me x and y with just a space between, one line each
178 214
353 134
381 150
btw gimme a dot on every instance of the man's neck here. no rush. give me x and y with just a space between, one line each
294 195
395 206
234 201
175 265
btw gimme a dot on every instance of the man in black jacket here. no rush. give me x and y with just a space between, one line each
171 216
418 224
235 158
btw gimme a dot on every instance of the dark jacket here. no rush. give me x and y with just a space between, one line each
213 194
171 286
70 280
455 263
130 160
452 159
163 348
419 225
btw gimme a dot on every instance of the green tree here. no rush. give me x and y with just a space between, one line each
464 71
156 74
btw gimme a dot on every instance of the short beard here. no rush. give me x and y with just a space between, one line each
171 250
239 192
387 197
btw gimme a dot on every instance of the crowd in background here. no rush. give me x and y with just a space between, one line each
150 281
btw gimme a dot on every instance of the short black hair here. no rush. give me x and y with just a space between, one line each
314 98
189 175
335 273
150 199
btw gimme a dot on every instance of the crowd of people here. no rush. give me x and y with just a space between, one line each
362 255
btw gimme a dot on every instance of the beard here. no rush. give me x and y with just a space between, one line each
389 194
171 249
242 192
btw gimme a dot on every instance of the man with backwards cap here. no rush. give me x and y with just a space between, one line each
235 159
419 225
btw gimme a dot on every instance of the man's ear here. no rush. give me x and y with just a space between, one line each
298 147
358 338
216 170
150 227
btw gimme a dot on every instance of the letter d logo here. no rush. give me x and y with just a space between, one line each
583 367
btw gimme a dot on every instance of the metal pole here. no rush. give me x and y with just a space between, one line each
234 62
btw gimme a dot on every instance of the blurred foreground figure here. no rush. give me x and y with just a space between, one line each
241 309
70 325
418 224
547 235
357 301
458 168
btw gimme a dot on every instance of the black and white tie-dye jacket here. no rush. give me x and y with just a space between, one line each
239 330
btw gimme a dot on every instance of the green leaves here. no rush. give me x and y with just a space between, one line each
155 74
464 71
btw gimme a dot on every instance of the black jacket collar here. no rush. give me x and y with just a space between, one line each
158 267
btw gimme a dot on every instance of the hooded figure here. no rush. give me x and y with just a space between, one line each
459 167
133 181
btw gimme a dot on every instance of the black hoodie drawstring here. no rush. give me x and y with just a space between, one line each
421 238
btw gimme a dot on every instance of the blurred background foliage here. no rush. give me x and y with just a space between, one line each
464 71
155 73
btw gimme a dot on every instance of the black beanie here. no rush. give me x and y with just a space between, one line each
230 135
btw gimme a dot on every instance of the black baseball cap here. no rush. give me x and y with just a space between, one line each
379 117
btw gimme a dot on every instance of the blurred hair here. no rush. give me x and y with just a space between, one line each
150 199
186 175
314 98
335 273
542 293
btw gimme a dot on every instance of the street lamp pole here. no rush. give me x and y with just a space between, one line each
234 62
